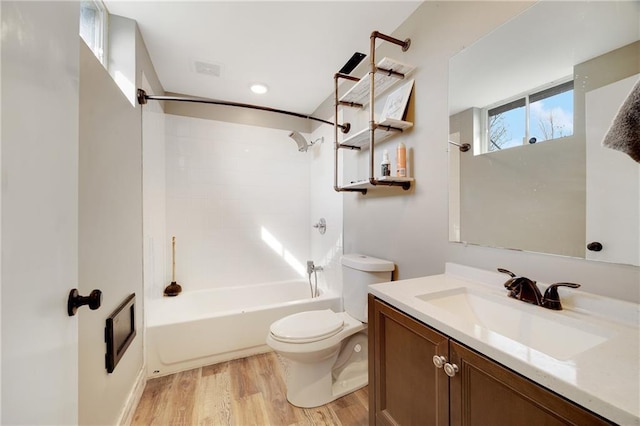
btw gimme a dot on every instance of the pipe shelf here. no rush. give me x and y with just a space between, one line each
388 72
404 182
381 77
384 130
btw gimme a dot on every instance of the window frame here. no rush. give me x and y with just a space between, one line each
99 46
524 100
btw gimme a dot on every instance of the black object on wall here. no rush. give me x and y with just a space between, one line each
352 63
119 331
94 300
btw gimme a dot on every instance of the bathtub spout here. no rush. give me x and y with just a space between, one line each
313 269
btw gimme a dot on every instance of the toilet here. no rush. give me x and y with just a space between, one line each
326 351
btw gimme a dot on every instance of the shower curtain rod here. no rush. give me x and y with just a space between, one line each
143 98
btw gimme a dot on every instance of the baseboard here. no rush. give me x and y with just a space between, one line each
126 416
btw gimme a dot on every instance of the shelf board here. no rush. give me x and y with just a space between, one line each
361 139
365 184
359 93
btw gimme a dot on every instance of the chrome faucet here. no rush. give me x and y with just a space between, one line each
526 290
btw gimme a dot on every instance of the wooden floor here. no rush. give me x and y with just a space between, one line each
243 392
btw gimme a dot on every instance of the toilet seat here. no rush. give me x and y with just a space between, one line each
306 327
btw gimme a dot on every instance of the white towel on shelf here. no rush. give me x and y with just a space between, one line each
624 133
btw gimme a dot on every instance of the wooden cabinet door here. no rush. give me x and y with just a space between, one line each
407 388
486 393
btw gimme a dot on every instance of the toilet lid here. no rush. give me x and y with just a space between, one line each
307 326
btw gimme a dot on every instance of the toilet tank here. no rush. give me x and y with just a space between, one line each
358 271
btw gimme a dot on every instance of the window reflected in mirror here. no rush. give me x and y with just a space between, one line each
537 117
534 111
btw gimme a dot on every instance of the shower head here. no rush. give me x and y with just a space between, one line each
302 142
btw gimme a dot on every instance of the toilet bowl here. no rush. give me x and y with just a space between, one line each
326 351
311 356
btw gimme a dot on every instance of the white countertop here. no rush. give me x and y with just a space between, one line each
605 377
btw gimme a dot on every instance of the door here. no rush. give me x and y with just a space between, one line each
408 388
110 236
484 393
613 181
39 211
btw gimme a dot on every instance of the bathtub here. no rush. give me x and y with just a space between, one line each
205 327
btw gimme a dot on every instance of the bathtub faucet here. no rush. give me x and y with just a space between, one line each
311 268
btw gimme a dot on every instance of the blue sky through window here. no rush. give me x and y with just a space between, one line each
514 126
550 117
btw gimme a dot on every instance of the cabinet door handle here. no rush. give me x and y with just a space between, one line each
450 369
439 361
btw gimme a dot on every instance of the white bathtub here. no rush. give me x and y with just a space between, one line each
205 327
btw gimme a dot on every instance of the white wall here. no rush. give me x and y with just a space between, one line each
327 248
122 55
0 229
411 228
237 203
39 211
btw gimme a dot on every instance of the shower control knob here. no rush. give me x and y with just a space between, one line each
450 369
321 226
439 361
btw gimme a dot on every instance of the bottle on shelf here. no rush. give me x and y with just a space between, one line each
385 165
401 161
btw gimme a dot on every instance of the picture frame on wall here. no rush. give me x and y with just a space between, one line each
395 106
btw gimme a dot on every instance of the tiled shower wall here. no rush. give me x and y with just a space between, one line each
238 203
154 197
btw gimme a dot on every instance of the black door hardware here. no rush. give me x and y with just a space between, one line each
594 246
75 301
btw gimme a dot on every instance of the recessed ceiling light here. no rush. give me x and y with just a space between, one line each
259 88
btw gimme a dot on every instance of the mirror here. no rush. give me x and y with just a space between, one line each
547 185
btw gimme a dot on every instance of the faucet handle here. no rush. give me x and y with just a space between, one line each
512 284
551 298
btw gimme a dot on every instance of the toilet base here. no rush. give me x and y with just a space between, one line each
314 384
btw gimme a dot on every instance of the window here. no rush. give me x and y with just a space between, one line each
539 116
506 125
93 27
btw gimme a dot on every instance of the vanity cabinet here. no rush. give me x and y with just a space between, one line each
406 387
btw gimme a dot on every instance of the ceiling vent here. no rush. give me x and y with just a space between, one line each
207 68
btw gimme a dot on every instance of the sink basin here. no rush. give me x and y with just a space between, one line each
549 332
